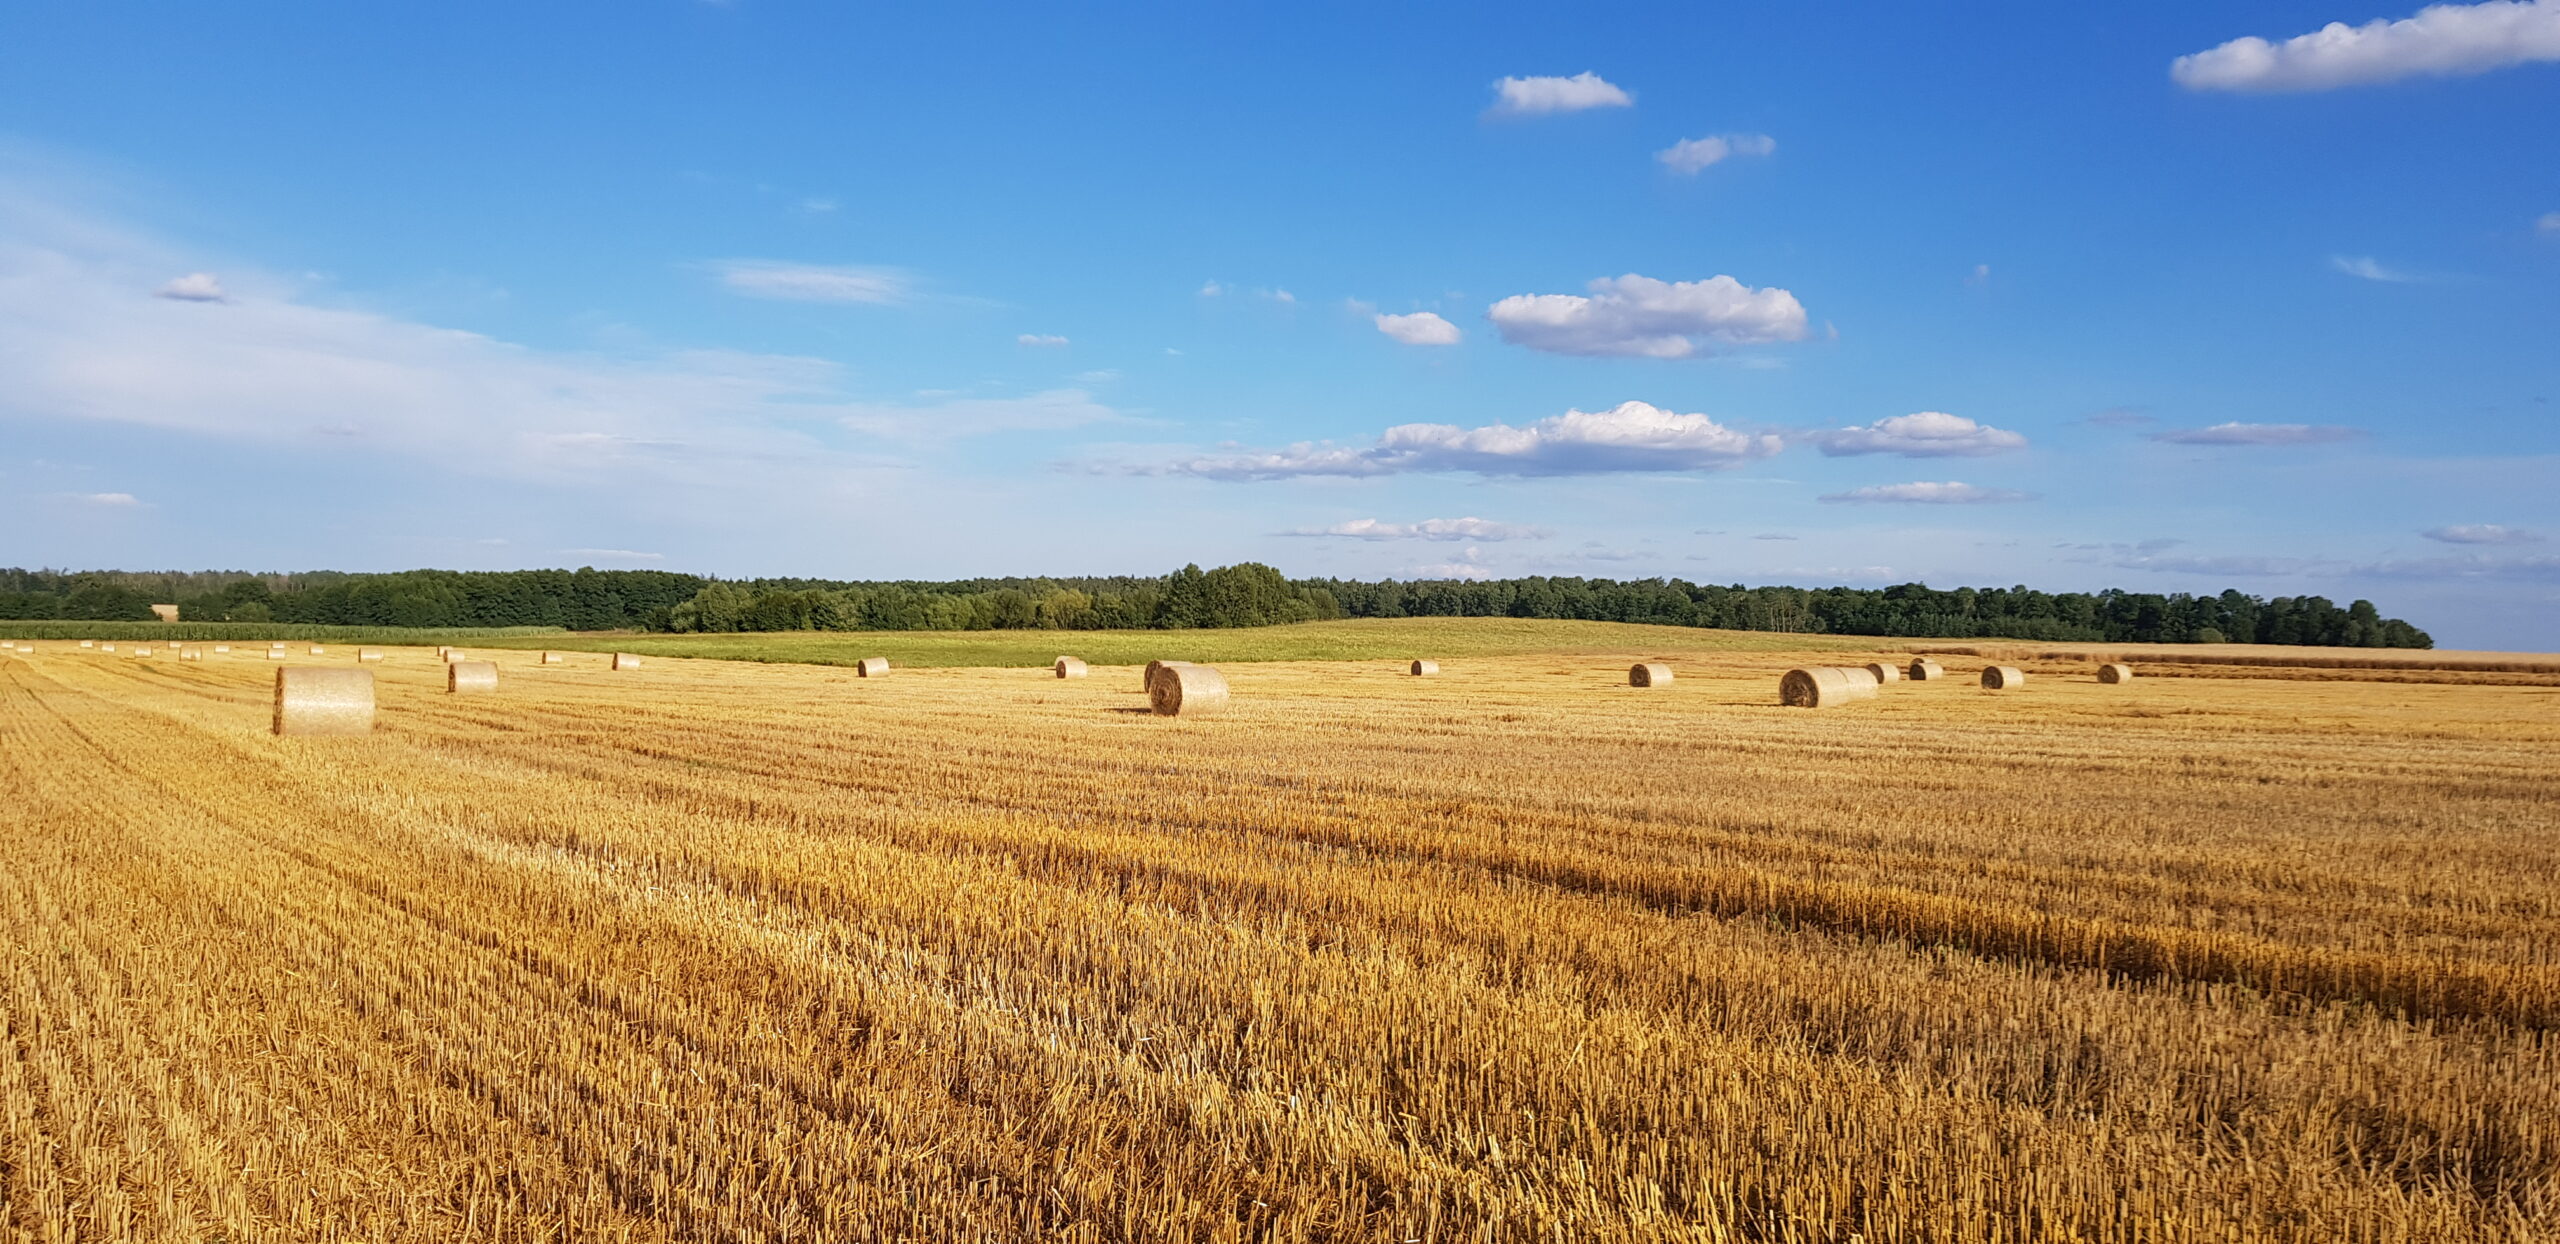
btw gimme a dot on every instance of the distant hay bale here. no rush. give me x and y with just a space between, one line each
626 661
2114 672
313 700
1825 686
1154 668
142 652
1649 674
441 650
275 654
1884 673
1425 669
2003 677
1925 670
190 654
470 677
1182 689
368 654
222 650
106 647
552 658
871 667
452 655
1070 667
317 650
88 643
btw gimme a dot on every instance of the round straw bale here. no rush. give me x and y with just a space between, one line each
317 650
1649 674
452 655
626 661
470 677
2003 677
1923 669
1825 686
88 643
142 652
441 650
368 654
324 700
1070 667
1884 673
106 647
222 650
552 658
190 654
1425 669
275 654
1183 689
871 667
2115 671
1154 668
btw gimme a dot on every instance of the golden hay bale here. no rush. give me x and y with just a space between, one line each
1070 667
190 654
1182 689
2003 677
1425 669
106 647
2115 671
626 661
1884 673
1925 670
315 700
441 650
1825 686
88 643
317 650
1154 668
1649 674
452 655
368 654
142 652
552 658
222 650
470 677
275 654
871 667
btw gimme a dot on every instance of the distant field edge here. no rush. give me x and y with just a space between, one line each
226 631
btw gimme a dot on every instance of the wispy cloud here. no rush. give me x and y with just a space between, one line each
1947 493
2548 225
2442 40
193 287
2367 268
2482 533
1690 156
2538 567
1039 339
113 500
1633 436
2240 565
1421 328
1538 96
1922 434
957 417
1639 316
1484 529
800 282
2259 434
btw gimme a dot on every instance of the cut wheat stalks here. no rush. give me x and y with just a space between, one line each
2115 672
1825 686
1649 674
2003 677
470 677
313 700
626 661
1182 689
1425 669
1069 667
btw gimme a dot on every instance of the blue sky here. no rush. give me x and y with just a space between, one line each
2010 295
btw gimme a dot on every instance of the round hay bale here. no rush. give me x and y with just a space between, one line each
317 650
142 652
1649 674
2003 678
552 658
1825 686
1425 669
88 643
470 677
1925 670
1070 667
368 654
871 667
1185 690
106 647
626 661
452 655
2115 672
441 650
312 700
222 650
1884 673
190 654
1154 668
275 654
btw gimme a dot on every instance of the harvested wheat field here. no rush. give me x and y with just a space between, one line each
716 950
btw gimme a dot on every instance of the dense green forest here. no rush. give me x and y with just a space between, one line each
1249 594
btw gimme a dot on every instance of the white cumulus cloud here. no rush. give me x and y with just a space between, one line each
194 287
1638 316
2443 40
1949 492
799 282
2258 434
2482 533
1427 529
1922 434
1690 155
1525 97
1422 328
1633 436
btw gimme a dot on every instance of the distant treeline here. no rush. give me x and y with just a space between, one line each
1249 594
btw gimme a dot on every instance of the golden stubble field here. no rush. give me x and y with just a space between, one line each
723 951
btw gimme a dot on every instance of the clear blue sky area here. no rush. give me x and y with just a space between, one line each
2159 296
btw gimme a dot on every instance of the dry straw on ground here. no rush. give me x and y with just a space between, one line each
1825 686
1425 669
2115 672
1649 674
2003 677
627 661
470 677
322 701
1183 689
1069 667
